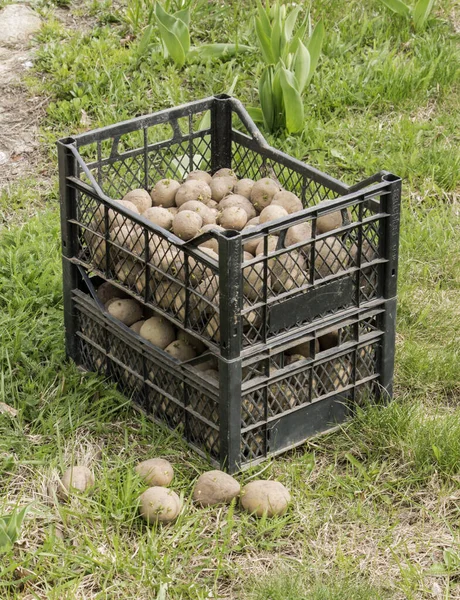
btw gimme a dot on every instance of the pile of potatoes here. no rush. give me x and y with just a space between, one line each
159 504
221 201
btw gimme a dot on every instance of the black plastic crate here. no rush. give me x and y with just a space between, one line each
235 308
258 406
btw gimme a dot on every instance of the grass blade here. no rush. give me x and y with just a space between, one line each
398 7
421 13
314 47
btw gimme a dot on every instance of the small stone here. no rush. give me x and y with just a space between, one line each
3 158
6 408
17 23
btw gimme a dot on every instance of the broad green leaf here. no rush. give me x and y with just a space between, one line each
421 13
264 20
256 114
174 26
266 97
299 35
278 103
264 43
314 48
184 16
302 62
10 528
397 6
174 47
214 51
291 21
276 40
293 106
145 40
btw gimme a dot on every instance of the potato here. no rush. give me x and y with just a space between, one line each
233 218
165 292
187 224
118 220
207 215
209 288
263 192
193 190
192 341
221 187
164 193
240 201
181 350
270 213
159 505
126 311
251 245
271 245
160 216
213 329
261 497
253 281
329 340
212 243
106 291
173 210
208 365
330 221
331 256
76 478
335 376
212 204
130 272
158 332
140 198
243 187
253 222
288 271
198 269
136 327
215 487
212 374
155 472
288 201
303 349
110 301
298 234
225 173
199 176
126 236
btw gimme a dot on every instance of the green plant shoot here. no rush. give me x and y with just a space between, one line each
419 14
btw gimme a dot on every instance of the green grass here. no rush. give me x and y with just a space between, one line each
375 505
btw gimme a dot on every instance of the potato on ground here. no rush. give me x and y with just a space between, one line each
160 216
240 201
221 187
187 224
244 187
159 505
155 472
200 176
263 192
233 218
164 193
181 350
288 201
158 331
140 198
265 497
207 215
215 487
193 189
127 311
270 213
76 478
